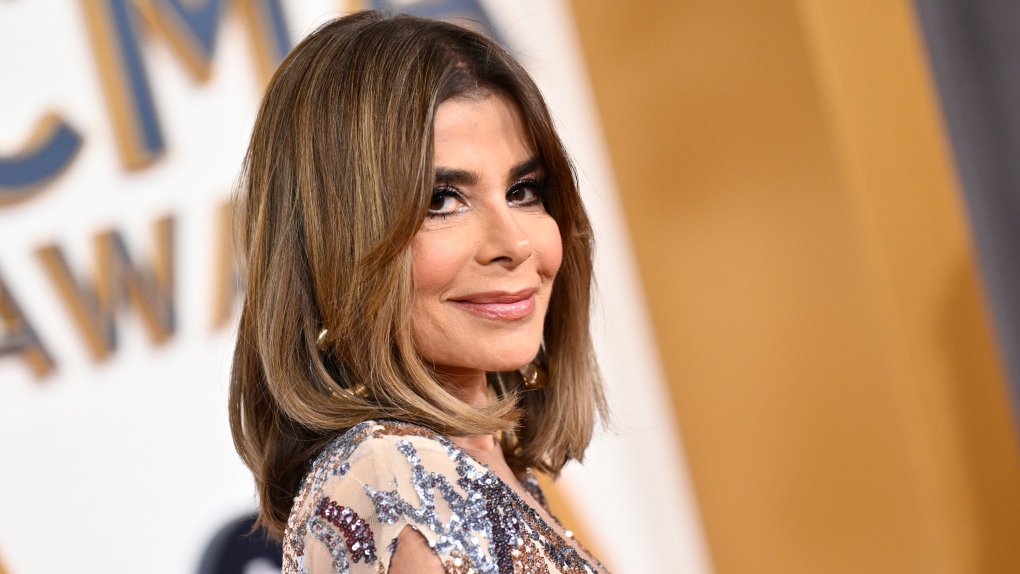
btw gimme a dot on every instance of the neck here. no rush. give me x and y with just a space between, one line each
472 388
468 386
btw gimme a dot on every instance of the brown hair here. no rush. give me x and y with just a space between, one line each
336 182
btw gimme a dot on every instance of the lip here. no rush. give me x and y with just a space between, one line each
498 305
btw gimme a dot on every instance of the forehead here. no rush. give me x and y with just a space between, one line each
479 129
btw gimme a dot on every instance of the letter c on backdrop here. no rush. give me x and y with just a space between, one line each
49 150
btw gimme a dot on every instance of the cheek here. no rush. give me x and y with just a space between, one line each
436 259
548 246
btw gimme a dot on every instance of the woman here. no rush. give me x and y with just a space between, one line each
419 265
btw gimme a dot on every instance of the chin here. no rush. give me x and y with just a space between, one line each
507 365
466 347
490 356
512 359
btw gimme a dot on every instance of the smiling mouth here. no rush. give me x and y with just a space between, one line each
499 305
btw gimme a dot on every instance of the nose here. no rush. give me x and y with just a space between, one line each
505 241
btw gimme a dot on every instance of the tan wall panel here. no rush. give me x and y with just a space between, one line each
799 381
897 169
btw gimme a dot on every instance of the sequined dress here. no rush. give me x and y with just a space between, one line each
378 477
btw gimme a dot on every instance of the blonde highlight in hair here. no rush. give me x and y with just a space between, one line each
335 184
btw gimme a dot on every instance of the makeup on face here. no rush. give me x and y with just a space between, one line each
486 256
499 305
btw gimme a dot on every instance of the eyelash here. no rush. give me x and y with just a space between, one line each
444 191
539 186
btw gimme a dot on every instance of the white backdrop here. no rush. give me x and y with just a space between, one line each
126 465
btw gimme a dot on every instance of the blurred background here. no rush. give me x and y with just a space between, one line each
808 219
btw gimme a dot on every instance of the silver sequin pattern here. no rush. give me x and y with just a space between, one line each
488 528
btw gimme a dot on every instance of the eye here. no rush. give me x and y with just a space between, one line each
445 201
527 192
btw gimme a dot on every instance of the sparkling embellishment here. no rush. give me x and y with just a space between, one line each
413 477
359 537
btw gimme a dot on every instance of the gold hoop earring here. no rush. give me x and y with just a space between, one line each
358 391
535 374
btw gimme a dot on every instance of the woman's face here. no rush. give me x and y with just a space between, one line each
486 256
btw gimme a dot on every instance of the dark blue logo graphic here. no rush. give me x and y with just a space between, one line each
239 549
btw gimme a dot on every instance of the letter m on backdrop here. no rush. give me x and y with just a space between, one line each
190 26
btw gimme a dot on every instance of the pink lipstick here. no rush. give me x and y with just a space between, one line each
499 305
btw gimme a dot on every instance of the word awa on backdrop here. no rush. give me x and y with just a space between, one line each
116 32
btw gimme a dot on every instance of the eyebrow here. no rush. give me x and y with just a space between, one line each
525 167
465 177
456 176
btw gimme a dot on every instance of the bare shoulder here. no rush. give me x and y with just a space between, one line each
413 555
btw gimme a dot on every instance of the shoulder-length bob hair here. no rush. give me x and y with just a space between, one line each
336 182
